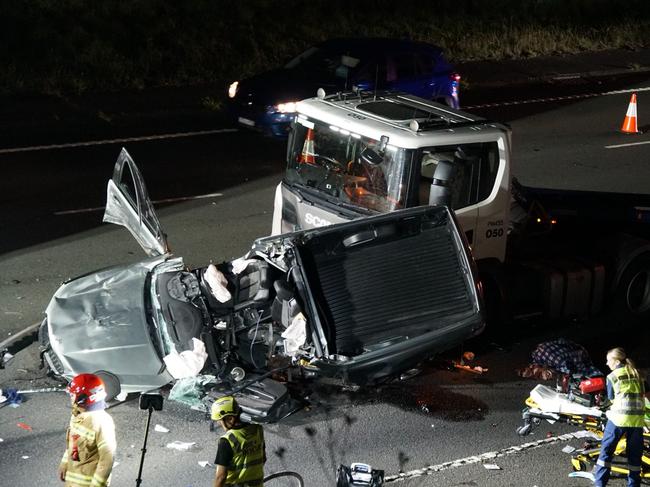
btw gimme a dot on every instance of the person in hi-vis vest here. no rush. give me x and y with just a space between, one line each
241 452
625 417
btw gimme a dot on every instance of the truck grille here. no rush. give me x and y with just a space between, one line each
400 287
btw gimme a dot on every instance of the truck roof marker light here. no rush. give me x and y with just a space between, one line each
539 220
553 221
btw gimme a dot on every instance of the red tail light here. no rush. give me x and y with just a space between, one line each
455 76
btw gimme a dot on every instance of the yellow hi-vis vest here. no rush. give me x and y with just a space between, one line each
628 406
247 465
90 449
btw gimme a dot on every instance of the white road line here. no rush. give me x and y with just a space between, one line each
483 456
618 146
556 98
116 141
166 200
27 331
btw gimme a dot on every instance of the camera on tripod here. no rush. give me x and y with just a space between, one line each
151 400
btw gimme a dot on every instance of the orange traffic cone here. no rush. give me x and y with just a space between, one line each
629 124
307 154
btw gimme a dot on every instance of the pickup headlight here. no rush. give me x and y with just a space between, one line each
232 89
288 107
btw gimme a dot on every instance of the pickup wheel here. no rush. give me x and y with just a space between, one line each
633 291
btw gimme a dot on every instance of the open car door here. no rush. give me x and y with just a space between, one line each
128 204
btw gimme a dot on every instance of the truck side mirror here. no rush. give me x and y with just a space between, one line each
371 157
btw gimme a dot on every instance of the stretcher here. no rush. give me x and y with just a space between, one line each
545 403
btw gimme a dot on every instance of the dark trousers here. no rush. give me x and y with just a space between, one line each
634 451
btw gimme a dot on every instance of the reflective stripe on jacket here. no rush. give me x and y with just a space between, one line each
628 406
247 466
90 449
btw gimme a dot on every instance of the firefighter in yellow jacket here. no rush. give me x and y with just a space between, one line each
90 439
240 453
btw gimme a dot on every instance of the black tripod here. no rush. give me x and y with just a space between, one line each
150 402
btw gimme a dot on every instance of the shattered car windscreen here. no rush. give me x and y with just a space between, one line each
328 160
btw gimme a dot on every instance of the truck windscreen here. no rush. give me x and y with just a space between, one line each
328 160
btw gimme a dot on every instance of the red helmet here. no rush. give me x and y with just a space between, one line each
87 389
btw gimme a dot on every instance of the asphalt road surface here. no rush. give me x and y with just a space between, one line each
50 208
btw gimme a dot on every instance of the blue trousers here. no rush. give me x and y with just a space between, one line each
634 452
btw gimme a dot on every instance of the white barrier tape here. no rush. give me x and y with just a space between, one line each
116 141
556 98
480 458
166 200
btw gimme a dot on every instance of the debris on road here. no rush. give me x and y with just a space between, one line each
182 445
24 426
204 464
190 390
161 429
11 397
491 466
468 368
568 449
584 475
5 357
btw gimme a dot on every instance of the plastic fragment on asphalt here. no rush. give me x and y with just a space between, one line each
586 434
204 464
1 440
584 475
474 370
568 449
181 445
161 429
25 457
491 466
6 357
24 426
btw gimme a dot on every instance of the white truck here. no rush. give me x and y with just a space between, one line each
560 254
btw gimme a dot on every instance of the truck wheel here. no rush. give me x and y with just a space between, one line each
633 290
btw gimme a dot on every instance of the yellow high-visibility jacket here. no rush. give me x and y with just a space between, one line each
90 448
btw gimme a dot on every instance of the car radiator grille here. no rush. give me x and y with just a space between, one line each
393 289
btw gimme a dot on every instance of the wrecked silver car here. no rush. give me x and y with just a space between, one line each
357 302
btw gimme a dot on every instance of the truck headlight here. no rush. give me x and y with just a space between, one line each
232 89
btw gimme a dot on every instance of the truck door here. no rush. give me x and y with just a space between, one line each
471 190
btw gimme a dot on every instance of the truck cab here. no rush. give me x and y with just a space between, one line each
358 154
557 253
